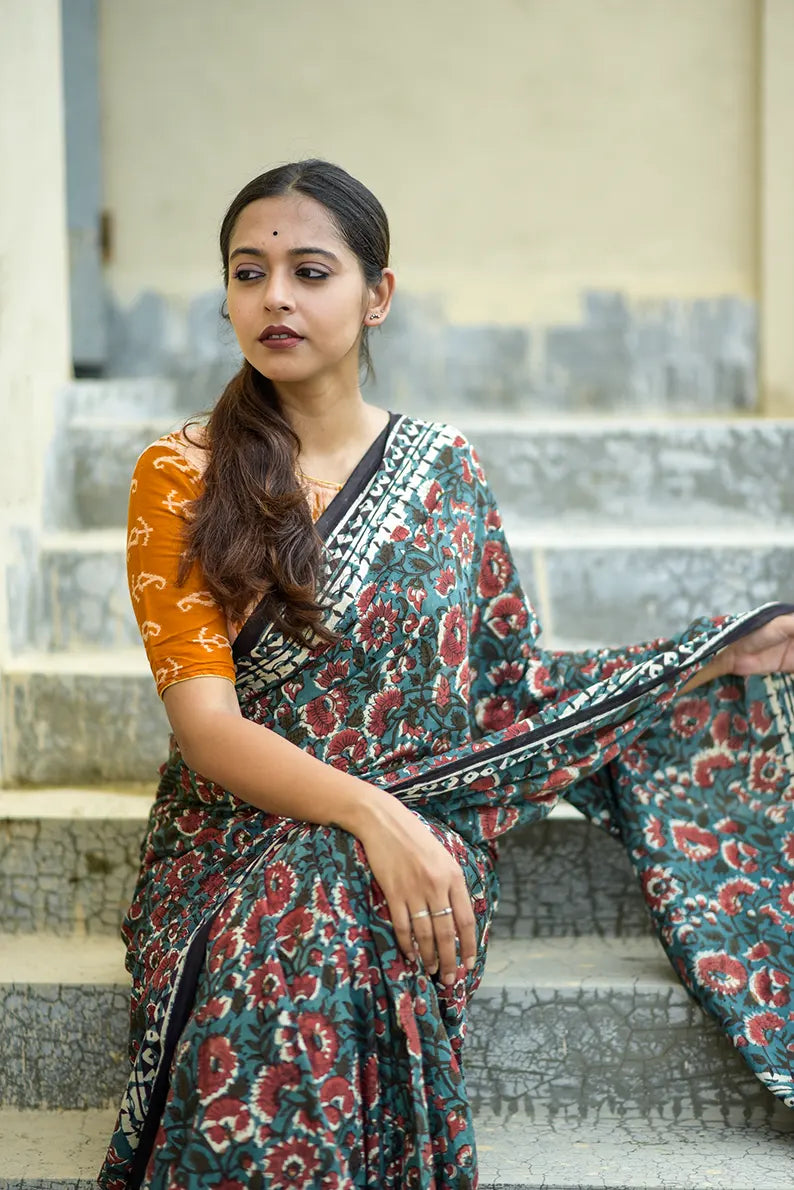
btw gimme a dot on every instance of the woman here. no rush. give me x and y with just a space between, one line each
359 708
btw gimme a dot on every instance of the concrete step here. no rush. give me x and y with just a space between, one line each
590 587
69 860
68 999
63 1150
580 471
565 1030
575 1029
75 718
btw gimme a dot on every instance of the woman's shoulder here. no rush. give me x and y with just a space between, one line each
445 434
179 456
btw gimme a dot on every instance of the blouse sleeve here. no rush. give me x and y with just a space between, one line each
184 630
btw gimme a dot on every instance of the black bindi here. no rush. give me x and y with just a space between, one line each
275 233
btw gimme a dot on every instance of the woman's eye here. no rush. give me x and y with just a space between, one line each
311 274
247 274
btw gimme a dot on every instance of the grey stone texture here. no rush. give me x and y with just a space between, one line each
522 1154
67 875
599 1030
621 354
86 603
563 876
615 596
63 1045
717 474
81 727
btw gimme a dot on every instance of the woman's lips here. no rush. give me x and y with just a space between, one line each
279 343
280 337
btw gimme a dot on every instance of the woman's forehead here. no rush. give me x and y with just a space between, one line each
291 216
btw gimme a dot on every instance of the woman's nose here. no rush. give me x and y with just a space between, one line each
278 294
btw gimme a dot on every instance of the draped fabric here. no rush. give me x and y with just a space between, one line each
278 1036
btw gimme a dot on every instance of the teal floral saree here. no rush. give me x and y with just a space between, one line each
279 1038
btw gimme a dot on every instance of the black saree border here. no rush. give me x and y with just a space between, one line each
357 482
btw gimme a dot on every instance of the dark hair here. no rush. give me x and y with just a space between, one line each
251 529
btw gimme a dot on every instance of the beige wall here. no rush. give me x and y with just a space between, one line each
34 297
524 149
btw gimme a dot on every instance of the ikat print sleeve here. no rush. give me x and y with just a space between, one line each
184 631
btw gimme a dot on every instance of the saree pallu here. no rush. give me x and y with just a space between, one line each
279 1038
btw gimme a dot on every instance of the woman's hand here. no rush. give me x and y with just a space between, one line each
421 882
767 650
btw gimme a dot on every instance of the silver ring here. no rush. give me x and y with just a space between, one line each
442 912
421 913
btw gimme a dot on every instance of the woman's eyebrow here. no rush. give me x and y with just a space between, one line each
292 252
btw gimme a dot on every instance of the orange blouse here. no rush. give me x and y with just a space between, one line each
186 634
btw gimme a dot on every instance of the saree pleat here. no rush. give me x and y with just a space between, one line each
278 1036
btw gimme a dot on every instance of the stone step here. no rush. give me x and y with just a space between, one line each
599 1029
582 471
589 587
564 1029
69 860
63 1150
75 718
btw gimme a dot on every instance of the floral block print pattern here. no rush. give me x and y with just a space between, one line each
278 1036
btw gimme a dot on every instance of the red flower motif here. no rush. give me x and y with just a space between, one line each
787 898
292 1162
377 624
787 847
400 533
760 950
660 887
705 767
346 749
730 895
294 928
321 1041
770 986
759 718
338 1097
445 581
721 972
272 1085
694 842
654 835
226 1121
432 500
507 614
463 540
740 855
334 671
495 570
690 716
326 712
217 1064
453 637
443 693
506 672
377 711
766 773
761 1027
495 713
279 885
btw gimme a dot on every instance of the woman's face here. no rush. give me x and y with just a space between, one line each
289 268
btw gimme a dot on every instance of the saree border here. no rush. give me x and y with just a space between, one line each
361 476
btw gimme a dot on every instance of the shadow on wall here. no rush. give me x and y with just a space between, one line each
670 356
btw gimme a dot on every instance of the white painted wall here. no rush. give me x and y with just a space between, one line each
34 297
524 149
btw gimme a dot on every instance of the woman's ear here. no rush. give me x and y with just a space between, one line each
380 297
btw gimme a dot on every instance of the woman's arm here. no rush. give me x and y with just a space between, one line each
768 650
414 870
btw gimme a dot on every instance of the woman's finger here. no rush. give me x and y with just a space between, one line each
402 927
465 924
444 925
422 926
